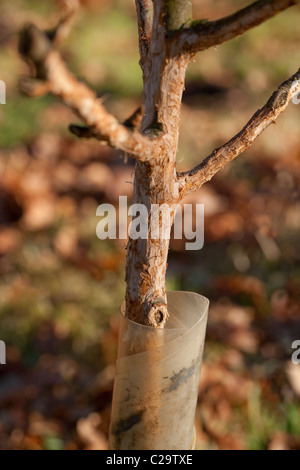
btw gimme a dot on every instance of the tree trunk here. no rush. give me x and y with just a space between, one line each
155 182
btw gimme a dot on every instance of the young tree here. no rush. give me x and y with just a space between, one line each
168 40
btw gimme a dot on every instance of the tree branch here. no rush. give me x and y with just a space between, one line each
204 34
192 180
50 69
85 132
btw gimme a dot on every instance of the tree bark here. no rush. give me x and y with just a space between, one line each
156 183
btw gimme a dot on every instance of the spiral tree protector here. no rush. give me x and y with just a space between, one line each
157 378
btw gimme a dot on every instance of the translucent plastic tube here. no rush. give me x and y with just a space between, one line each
156 385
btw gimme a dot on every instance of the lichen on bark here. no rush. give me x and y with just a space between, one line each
179 14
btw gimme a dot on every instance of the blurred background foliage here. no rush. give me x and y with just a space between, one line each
61 287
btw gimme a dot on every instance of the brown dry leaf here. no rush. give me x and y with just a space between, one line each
16 437
89 434
96 267
202 439
39 213
122 184
31 443
232 315
249 285
95 177
40 426
231 441
233 359
218 429
65 176
214 203
224 225
10 239
109 341
110 262
279 442
233 385
66 241
285 303
279 303
81 152
244 340
46 147
66 208
232 325
35 184
104 381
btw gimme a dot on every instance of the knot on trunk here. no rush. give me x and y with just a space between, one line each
157 315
